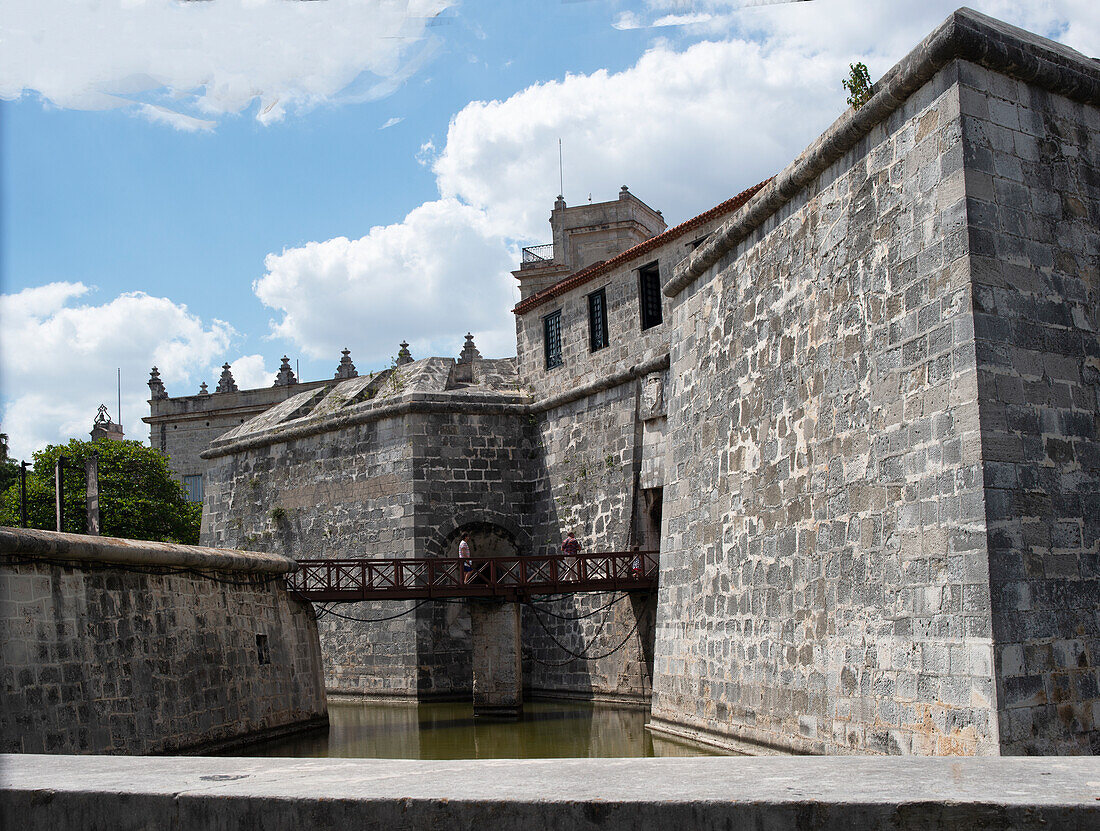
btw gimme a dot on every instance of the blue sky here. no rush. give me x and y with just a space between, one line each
237 195
125 205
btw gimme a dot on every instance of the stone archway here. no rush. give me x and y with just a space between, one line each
490 536
486 541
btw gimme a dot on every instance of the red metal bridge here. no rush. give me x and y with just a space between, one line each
508 577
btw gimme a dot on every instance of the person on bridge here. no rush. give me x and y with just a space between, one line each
570 569
464 555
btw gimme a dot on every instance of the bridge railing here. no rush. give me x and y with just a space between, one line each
412 578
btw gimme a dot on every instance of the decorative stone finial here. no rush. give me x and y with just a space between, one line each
464 372
559 204
286 375
624 192
226 382
203 390
404 356
469 351
156 386
347 368
103 427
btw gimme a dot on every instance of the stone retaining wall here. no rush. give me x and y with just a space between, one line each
119 646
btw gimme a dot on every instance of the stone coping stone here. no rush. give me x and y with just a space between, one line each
81 548
849 793
408 403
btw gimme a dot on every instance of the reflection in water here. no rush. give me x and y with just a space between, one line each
449 731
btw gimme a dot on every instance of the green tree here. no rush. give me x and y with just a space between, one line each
9 468
138 498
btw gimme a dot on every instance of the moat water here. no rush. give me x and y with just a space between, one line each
548 729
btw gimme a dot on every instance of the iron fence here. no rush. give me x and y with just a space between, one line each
538 253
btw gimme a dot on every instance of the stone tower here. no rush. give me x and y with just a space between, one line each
585 235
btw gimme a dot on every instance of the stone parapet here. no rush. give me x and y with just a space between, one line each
689 794
411 403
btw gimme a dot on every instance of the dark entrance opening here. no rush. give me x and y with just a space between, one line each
651 518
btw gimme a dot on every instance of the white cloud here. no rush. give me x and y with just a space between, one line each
430 278
58 359
390 122
426 155
187 123
249 372
688 127
630 20
684 129
210 59
886 28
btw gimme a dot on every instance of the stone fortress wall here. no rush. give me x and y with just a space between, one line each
586 483
863 435
831 477
884 413
126 647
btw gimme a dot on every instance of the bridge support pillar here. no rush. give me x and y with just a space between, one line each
498 672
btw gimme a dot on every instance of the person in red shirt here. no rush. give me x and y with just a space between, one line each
570 569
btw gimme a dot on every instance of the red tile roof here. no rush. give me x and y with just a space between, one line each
595 270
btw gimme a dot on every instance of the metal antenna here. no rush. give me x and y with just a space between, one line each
561 172
120 395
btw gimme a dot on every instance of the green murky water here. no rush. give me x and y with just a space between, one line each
549 729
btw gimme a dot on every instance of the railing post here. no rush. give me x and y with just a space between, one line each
91 477
59 492
23 493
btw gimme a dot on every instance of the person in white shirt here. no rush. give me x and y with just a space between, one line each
464 555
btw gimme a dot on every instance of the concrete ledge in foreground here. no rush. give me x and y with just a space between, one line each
846 794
